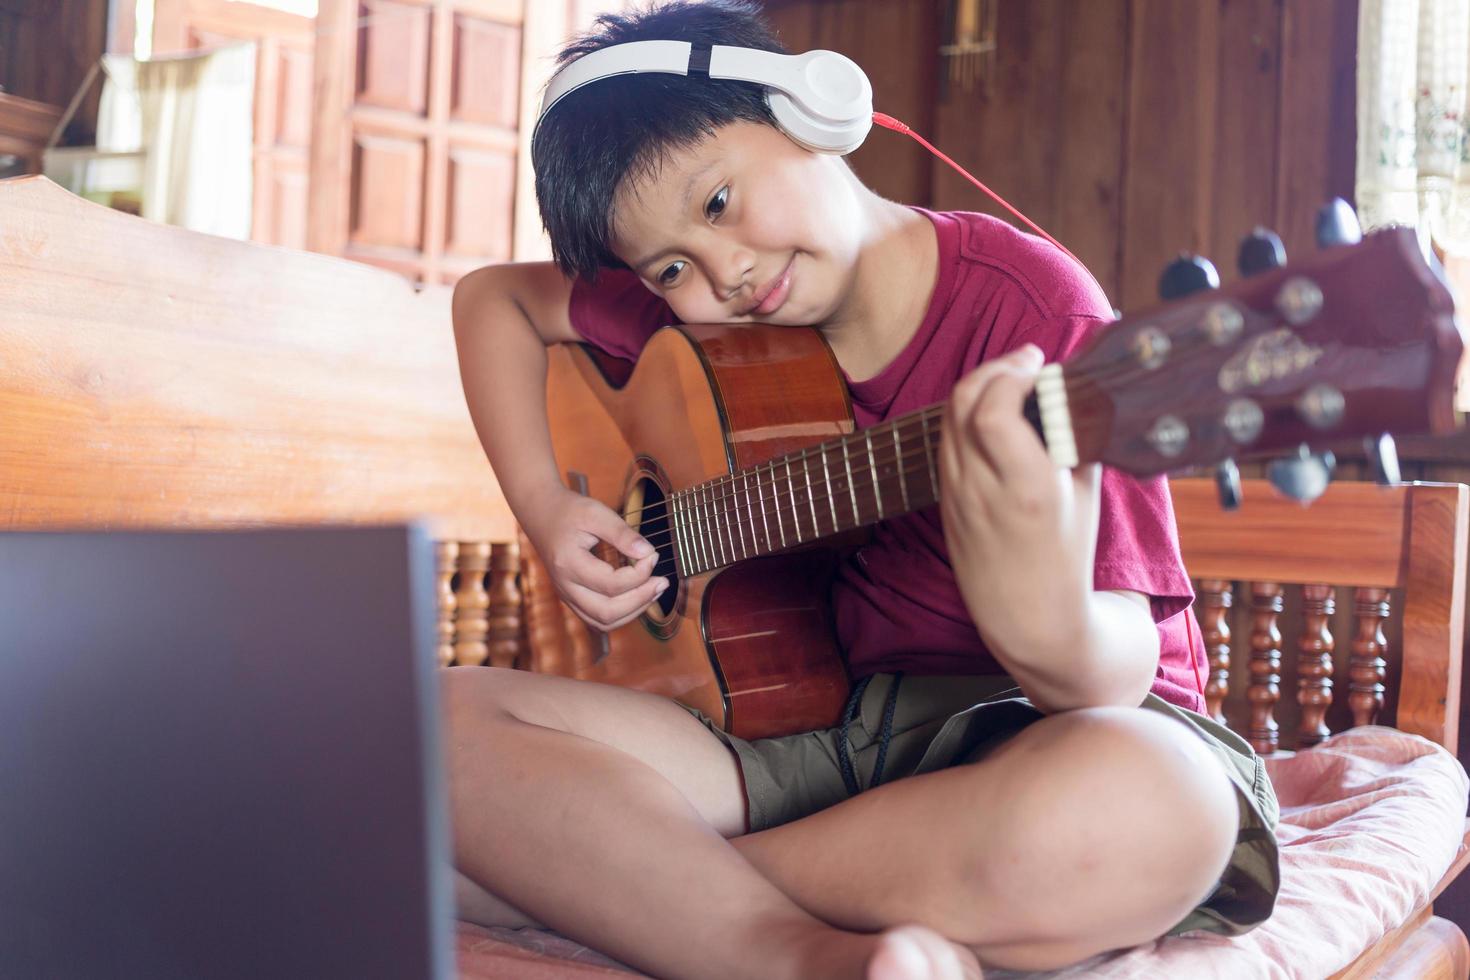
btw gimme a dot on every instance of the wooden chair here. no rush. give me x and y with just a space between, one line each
1384 543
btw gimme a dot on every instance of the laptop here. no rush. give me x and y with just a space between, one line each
219 756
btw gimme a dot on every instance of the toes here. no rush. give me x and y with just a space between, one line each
917 953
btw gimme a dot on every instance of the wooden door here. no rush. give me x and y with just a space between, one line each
283 98
413 162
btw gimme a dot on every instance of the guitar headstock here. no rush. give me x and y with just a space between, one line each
1354 341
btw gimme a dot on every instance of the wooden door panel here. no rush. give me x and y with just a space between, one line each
487 56
393 56
479 222
388 192
414 158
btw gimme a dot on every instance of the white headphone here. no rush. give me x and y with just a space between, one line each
821 99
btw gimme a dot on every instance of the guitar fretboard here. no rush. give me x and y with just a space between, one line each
839 485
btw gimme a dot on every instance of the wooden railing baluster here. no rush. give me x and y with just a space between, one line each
1217 596
1366 664
1314 663
1265 666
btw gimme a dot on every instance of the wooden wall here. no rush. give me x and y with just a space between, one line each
1129 129
47 48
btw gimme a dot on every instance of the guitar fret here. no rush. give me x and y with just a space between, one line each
780 529
717 548
877 492
831 497
681 563
719 505
740 527
811 497
760 497
899 464
795 512
751 510
929 455
851 490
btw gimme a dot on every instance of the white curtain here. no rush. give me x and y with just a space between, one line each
194 118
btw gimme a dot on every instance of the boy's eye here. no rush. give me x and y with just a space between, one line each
670 274
716 205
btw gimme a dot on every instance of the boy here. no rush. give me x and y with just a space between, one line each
1023 654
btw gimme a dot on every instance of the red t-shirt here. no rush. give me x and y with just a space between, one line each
896 602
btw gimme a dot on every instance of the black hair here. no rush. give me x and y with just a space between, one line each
624 128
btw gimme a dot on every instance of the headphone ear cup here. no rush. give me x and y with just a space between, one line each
817 135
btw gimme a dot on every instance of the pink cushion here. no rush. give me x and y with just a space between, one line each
1370 821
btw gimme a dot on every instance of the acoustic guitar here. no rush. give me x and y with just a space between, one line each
732 449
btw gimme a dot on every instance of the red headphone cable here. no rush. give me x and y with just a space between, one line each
888 122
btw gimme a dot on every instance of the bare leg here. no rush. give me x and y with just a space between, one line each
603 847
1088 831
1040 881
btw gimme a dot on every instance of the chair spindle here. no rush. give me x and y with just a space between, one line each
1265 665
471 620
1216 598
446 554
1366 664
505 640
1314 663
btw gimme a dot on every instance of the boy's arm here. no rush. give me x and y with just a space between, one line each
1021 536
505 317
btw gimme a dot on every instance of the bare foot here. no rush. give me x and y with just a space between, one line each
917 953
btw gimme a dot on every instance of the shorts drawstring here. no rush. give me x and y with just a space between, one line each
885 732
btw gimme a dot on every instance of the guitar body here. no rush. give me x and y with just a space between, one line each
751 645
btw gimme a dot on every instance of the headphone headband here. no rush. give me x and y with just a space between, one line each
821 99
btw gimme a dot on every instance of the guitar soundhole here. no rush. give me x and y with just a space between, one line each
649 506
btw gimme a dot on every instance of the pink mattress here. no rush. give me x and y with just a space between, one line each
1370 821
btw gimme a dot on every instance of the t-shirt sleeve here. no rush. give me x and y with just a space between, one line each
618 313
1137 539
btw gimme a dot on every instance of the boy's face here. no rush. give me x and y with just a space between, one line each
744 215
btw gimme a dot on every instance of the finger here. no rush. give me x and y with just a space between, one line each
612 528
587 570
999 429
606 612
1026 358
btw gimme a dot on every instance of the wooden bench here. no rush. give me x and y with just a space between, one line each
153 377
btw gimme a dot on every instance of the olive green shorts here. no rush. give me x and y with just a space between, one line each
939 722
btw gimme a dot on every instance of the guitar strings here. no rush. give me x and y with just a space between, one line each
1120 368
702 515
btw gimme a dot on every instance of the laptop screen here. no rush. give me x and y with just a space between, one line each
219 755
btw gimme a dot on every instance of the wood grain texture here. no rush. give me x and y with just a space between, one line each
152 376
1409 537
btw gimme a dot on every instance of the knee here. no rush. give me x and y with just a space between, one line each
1133 806
470 698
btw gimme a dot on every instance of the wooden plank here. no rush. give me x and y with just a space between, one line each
334 68
1165 144
1434 612
1049 136
1318 149
151 376
1354 534
1242 167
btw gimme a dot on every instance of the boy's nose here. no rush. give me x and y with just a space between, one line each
740 286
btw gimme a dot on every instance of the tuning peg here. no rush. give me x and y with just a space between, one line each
1260 251
1187 274
1337 224
1304 476
1227 482
1383 458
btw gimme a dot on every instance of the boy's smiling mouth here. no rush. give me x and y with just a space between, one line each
773 294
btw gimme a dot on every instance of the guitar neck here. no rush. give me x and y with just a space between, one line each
845 483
